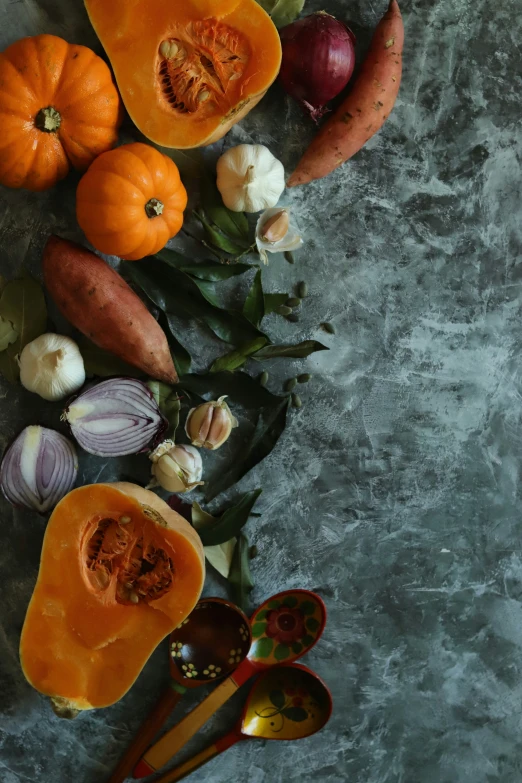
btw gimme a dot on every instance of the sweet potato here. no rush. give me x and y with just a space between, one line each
366 107
98 302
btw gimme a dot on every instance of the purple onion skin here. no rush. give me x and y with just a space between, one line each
318 61
115 390
49 473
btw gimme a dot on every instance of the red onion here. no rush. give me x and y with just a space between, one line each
318 60
116 417
38 469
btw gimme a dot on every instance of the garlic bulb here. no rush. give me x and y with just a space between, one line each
177 468
52 366
275 233
210 424
249 178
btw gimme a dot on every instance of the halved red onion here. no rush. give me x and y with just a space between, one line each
116 417
38 469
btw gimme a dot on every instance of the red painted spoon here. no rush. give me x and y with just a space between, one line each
285 703
284 628
200 652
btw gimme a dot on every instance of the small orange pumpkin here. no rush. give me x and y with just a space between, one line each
131 201
59 108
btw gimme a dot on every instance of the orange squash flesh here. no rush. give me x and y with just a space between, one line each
187 71
108 591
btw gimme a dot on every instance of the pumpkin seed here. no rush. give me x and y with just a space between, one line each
304 378
203 96
289 256
293 318
234 77
293 302
125 520
284 310
134 598
302 289
165 48
173 50
297 401
328 327
290 384
263 378
252 552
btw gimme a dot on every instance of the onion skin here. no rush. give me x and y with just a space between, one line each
318 61
38 469
115 418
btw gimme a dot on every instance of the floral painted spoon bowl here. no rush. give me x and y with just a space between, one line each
284 628
285 703
206 647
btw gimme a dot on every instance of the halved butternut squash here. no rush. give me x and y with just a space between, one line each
119 571
187 71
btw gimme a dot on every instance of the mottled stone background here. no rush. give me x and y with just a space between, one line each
395 491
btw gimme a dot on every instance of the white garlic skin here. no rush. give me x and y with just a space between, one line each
177 468
250 178
290 241
209 425
52 367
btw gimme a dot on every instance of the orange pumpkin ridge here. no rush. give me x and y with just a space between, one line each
119 571
58 108
130 202
197 68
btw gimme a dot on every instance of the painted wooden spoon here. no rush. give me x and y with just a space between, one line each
207 646
284 628
285 703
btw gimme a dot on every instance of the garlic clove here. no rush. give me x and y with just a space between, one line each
52 366
276 227
210 424
272 223
177 468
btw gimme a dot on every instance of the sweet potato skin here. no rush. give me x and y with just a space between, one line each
366 107
98 302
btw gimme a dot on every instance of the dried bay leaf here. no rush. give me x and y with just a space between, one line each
22 303
8 334
221 556
168 403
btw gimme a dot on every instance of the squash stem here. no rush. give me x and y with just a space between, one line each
154 207
48 120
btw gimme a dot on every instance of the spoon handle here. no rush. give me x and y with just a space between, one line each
147 731
169 744
197 761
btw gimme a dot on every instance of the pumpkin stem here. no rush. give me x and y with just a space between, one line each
48 120
154 207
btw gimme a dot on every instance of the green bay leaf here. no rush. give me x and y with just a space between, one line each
99 362
298 351
231 522
22 303
286 11
254 307
273 301
240 577
231 361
